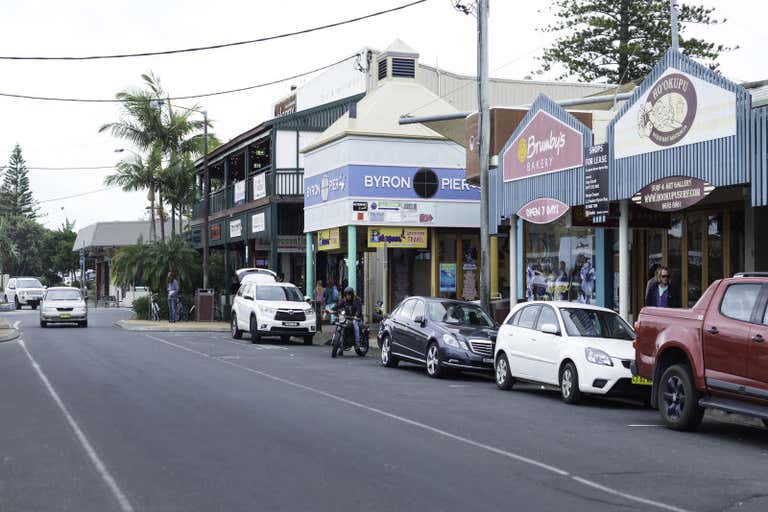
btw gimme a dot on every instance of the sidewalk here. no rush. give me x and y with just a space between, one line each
165 326
7 332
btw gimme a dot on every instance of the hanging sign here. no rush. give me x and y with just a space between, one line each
259 186
678 109
235 228
545 145
397 237
328 239
543 210
672 194
239 192
258 222
596 183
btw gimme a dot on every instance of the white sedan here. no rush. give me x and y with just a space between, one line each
576 347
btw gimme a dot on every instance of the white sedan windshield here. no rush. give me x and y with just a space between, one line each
593 323
63 295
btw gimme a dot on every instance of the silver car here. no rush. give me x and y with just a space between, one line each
63 305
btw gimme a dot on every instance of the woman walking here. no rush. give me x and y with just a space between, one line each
173 296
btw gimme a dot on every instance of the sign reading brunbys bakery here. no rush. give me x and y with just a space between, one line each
544 145
676 110
672 194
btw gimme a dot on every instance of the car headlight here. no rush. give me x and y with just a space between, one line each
597 356
267 310
79 309
309 312
452 341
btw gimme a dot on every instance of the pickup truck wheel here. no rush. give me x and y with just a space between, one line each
678 399
569 384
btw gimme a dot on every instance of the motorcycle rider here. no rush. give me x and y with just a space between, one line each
353 306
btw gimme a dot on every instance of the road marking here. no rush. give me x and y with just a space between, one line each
435 430
101 468
16 324
459 385
639 425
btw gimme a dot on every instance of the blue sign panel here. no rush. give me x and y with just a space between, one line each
385 182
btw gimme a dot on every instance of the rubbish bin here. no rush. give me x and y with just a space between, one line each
204 305
226 307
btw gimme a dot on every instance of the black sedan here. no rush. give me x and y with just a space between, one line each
441 334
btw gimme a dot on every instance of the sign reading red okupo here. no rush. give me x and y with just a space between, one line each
543 210
545 145
672 194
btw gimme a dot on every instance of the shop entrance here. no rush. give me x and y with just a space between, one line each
700 247
409 273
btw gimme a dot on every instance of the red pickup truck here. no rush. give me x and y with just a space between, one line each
713 355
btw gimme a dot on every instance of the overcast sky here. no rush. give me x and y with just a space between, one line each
66 135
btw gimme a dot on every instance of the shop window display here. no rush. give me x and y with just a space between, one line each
560 263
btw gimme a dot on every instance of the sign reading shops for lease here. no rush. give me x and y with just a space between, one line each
259 186
543 210
544 145
596 183
258 222
328 240
239 192
672 194
678 109
414 238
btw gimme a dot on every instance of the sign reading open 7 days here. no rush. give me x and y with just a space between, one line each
415 238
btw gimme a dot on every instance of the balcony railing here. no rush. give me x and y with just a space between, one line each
278 183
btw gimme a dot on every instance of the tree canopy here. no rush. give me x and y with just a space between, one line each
619 41
15 193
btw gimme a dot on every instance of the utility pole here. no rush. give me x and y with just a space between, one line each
673 23
206 198
483 149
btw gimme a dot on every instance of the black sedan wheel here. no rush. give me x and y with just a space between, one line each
504 378
435 368
387 359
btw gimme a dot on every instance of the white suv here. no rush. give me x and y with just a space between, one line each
24 291
264 307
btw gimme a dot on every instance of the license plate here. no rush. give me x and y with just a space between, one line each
642 381
487 359
291 324
64 315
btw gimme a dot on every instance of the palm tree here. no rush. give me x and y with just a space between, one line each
138 173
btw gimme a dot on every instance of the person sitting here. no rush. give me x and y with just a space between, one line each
352 306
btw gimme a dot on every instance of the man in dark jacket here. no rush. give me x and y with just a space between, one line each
353 306
659 293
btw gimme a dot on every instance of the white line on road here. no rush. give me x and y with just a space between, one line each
639 425
435 430
16 324
125 505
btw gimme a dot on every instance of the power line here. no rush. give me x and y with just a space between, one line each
223 45
76 195
187 97
74 168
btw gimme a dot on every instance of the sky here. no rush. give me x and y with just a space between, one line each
66 135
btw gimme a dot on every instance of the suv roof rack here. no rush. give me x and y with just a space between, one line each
751 274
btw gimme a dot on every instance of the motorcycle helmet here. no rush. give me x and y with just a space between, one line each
349 291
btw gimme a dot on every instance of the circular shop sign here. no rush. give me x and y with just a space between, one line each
668 114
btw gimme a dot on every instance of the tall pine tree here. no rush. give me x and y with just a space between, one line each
619 41
15 194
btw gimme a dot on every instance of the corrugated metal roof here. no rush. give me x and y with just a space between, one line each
759 157
567 186
720 162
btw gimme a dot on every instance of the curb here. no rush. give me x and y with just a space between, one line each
7 332
170 328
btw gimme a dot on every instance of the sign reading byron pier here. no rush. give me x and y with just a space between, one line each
545 145
596 183
543 210
672 194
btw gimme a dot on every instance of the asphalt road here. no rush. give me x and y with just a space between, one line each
102 419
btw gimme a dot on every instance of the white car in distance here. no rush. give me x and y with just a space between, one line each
63 305
579 348
264 307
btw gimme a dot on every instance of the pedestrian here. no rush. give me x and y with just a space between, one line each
173 296
659 293
653 277
319 302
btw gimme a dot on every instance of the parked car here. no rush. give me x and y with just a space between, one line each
440 334
579 348
264 307
63 305
713 355
24 291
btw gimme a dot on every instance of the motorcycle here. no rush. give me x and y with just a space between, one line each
344 336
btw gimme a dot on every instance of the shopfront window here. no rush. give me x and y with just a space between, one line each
447 265
675 253
560 263
695 226
715 246
737 241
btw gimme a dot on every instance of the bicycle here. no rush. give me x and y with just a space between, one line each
183 312
154 308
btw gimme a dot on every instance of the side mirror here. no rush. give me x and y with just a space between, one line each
550 329
247 297
421 320
308 299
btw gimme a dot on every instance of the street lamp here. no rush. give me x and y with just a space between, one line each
158 103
